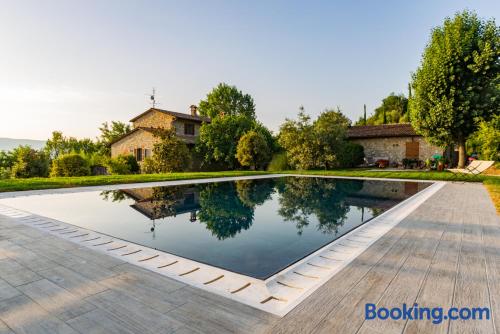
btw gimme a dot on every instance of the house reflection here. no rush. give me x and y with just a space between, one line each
161 202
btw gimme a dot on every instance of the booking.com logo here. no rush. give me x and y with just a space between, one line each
416 312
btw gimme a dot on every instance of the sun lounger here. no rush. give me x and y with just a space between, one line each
475 168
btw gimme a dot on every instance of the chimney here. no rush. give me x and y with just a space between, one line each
194 110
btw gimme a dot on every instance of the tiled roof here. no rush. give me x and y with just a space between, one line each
176 115
187 139
129 133
381 131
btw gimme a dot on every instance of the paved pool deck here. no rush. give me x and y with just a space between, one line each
446 253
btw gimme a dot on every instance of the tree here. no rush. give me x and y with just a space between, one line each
7 159
351 155
225 100
392 110
486 140
30 163
330 130
269 137
170 154
58 144
456 85
253 151
218 139
298 140
110 133
315 145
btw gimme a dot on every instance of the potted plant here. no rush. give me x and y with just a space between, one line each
428 164
440 166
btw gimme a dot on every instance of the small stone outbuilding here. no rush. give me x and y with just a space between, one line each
393 142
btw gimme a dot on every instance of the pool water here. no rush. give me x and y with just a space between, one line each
253 227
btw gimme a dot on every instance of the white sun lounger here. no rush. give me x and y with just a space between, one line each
475 168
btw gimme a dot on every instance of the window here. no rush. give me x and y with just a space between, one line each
189 129
147 153
138 154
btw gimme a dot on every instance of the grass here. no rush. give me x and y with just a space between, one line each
84 181
411 175
493 186
67 182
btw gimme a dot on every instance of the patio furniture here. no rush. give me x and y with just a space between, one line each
368 162
381 162
474 169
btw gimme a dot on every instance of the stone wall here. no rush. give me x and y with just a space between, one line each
394 148
154 119
139 139
179 127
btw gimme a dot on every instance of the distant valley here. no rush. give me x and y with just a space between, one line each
7 144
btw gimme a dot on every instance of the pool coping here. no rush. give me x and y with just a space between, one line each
11 194
278 294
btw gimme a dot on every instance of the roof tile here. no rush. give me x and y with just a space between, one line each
381 131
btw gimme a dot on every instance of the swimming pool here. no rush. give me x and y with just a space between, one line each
254 227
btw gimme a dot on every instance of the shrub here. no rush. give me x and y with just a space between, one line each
5 173
279 162
116 166
97 162
122 164
148 166
170 154
29 163
70 165
351 155
253 151
130 161
486 141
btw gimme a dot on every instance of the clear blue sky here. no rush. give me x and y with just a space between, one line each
71 65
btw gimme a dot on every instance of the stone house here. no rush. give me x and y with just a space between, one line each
140 141
393 142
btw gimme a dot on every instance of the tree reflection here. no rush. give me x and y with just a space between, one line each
255 192
228 207
113 195
325 198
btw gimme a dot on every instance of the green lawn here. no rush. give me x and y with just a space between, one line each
83 181
493 186
414 175
66 182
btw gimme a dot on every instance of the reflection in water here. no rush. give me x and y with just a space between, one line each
302 197
227 208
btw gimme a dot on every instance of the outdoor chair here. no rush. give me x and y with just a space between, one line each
474 169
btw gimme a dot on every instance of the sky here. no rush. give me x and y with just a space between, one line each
71 65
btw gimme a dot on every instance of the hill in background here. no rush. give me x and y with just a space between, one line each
7 144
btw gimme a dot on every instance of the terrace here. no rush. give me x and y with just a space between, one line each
443 253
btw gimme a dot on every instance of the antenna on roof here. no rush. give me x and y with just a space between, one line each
152 98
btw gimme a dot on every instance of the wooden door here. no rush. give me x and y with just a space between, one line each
412 150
